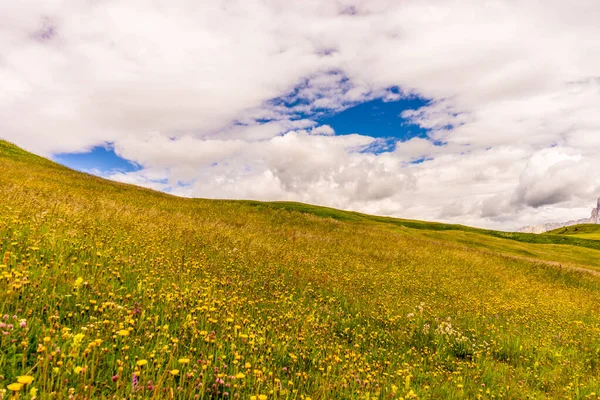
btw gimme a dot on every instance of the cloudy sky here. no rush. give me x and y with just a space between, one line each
484 113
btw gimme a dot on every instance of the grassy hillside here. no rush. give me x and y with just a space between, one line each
431 226
583 231
109 289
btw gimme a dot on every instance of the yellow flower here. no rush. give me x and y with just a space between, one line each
184 360
252 397
33 392
78 282
262 397
25 379
240 376
15 387
141 363
78 338
123 332
77 370
174 372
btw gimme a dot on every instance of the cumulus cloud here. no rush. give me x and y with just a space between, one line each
221 99
555 175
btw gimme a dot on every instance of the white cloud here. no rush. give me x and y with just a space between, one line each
185 89
556 175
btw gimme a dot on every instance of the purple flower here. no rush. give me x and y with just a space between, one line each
134 382
115 377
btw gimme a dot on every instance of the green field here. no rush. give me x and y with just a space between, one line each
584 231
114 291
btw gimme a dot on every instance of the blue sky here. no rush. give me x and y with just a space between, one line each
375 118
100 159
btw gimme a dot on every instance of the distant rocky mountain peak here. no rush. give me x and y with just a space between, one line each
593 219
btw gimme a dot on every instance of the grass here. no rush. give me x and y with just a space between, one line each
583 231
349 216
114 291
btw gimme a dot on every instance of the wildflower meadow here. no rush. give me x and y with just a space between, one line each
113 291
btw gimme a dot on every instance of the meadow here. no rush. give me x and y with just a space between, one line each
113 291
583 231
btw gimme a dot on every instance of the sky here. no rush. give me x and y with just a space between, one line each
484 113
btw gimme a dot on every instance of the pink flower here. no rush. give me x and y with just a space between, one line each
134 382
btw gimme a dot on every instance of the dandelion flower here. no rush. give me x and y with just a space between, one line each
78 282
174 372
15 387
184 360
240 376
25 379
262 397
141 363
123 332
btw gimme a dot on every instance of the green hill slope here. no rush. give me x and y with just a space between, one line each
109 289
582 231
